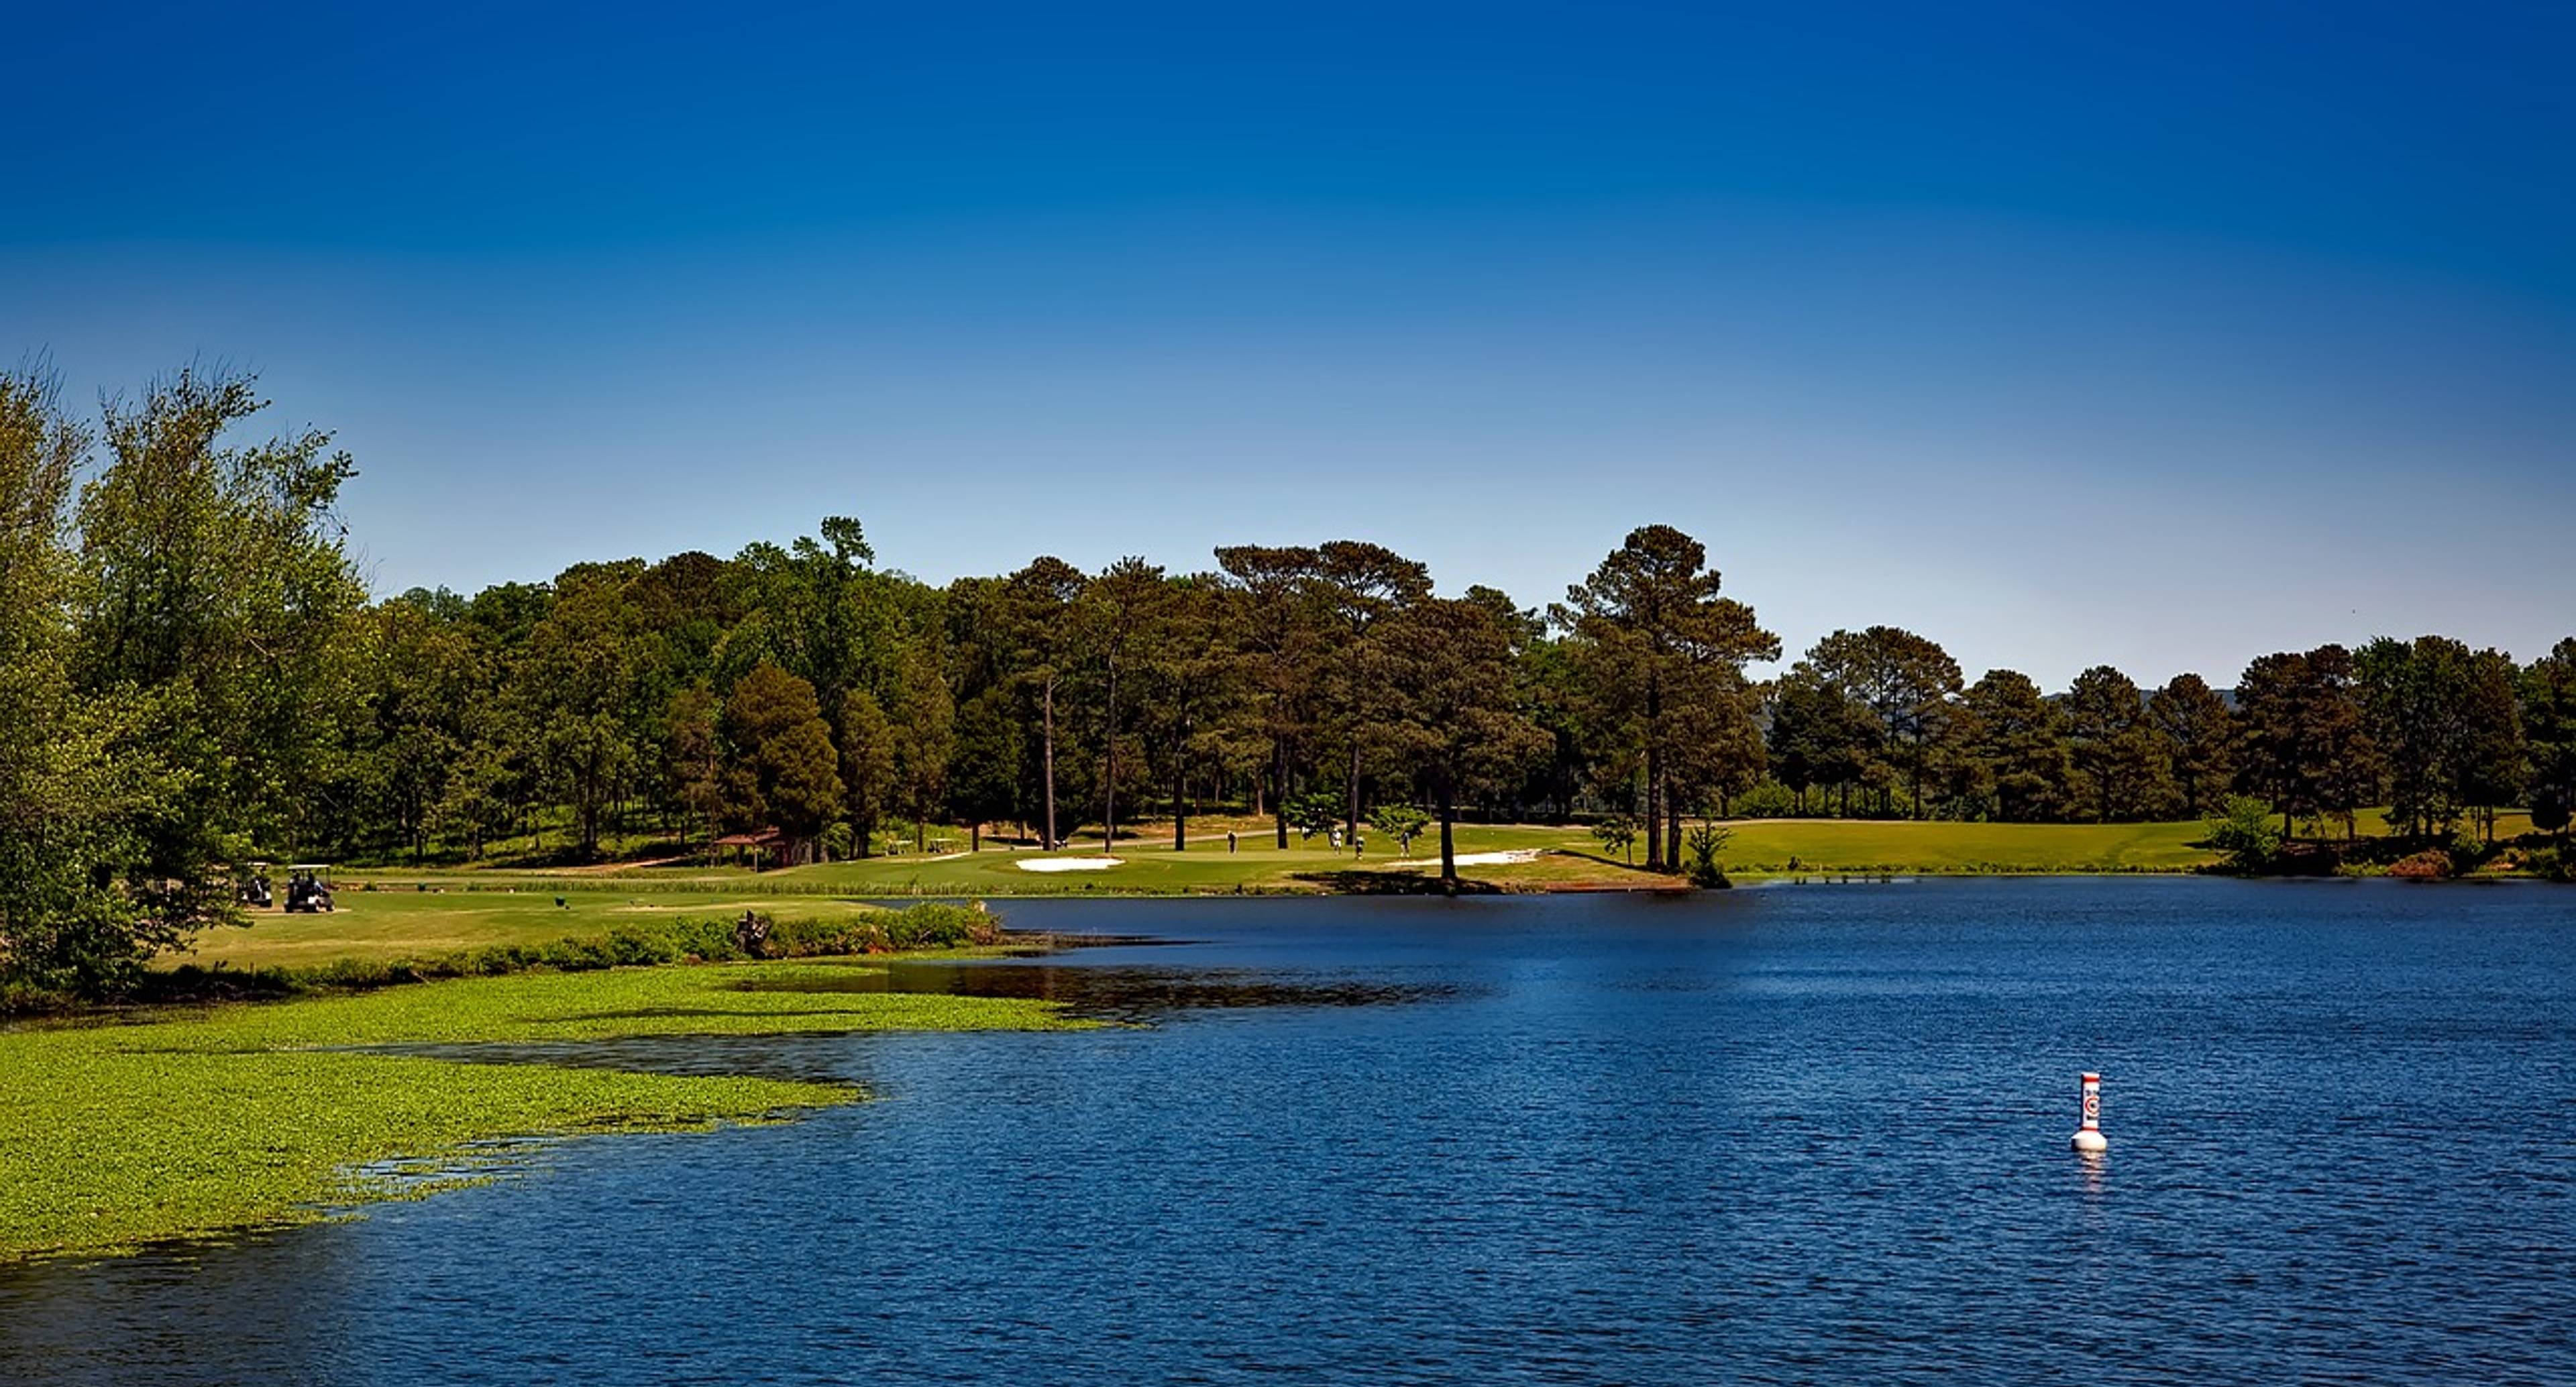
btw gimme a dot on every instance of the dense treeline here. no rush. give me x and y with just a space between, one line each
192 677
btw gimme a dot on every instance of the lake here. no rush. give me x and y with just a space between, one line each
1789 1134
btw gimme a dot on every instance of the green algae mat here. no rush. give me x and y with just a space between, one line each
257 1116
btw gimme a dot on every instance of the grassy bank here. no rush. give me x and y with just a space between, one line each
238 1117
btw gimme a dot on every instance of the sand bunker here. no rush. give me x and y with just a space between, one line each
1476 859
1068 864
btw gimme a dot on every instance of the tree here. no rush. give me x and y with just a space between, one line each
1401 822
421 675
2305 746
1820 735
1707 840
2199 738
2017 738
581 693
924 720
74 782
2112 747
782 771
1617 833
214 604
1189 685
1361 590
1909 683
1456 726
2244 832
867 767
1119 612
696 757
2549 728
1656 633
984 772
1038 602
1281 632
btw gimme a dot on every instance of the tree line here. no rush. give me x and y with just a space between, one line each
192 677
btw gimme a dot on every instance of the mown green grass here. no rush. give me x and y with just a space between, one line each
406 923
1830 845
237 1118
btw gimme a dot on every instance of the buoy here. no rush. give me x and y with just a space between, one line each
2088 1138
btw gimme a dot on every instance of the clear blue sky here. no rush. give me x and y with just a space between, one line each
2060 333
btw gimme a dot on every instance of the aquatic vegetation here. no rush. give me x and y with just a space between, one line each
245 1117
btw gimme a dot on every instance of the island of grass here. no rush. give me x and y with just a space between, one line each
240 1117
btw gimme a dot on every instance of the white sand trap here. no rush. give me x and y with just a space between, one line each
1477 859
1067 864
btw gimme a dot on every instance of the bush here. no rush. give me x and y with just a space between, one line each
2432 864
2246 833
1705 840
2551 864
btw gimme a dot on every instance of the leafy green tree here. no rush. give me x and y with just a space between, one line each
2549 726
75 781
422 673
579 686
867 766
1401 822
781 769
2305 744
2244 833
984 775
2491 756
696 756
1656 635
1617 833
215 603
2199 739
924 721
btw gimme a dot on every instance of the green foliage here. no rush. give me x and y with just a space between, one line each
1315 812
1706 841
1617 833
2245 833
1401 822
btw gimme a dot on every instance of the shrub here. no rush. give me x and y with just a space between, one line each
2245 832
1705 841
2432 864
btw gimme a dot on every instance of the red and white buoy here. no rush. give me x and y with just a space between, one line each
2088 1138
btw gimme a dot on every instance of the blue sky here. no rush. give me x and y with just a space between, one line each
2161 338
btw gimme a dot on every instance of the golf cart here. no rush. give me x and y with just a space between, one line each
306 892
255 892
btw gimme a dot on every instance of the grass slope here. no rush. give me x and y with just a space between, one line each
471 908
237 1118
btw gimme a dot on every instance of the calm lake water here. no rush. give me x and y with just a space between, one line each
1780 1135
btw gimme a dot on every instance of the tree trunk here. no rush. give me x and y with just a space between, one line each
1048 841
1109 786
1351 820
1279 788
1180 811
975 836
1448 840
1654 777
1673 829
